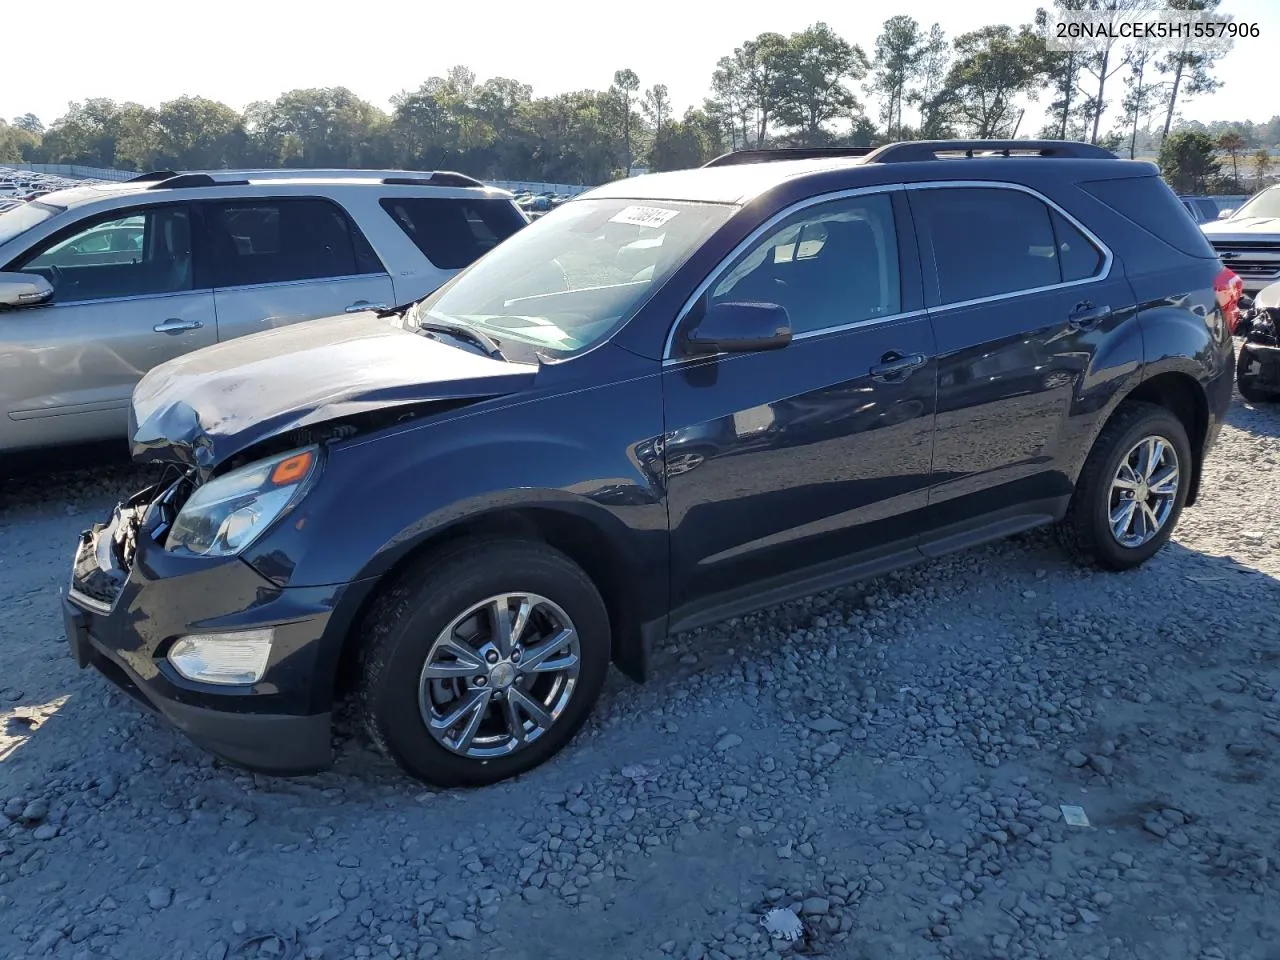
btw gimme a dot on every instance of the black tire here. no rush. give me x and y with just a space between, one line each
1245 383
405 621
1085 531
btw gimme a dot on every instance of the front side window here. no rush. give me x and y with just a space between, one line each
280 241
453 233
989 242
828 265
131 254
566 281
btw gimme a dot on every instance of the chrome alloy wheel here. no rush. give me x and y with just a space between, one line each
1144 491
499 675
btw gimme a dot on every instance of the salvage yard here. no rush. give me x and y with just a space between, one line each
888 761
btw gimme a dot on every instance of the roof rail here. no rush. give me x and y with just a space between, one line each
182 181
169 180
770 154
918 150
440 178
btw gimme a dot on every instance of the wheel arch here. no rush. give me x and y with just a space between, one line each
1182 394
584 532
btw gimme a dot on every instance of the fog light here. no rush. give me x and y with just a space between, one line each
230 658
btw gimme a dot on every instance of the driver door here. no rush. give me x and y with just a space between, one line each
795 468
123 302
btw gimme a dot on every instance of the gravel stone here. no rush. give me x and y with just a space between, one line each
159 897
461 929
886 760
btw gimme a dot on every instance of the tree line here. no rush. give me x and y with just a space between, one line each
812 87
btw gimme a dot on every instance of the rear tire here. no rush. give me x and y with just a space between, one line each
1110 482
1245 383
433 649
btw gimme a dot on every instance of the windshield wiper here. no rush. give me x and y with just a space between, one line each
465 333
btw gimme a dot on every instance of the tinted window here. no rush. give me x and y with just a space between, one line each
986 242
453 233
1078 258
828 265
277 241
134 253
1149 203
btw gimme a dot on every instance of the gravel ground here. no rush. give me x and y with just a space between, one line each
888 762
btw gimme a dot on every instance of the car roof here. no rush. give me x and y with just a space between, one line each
1027 161
191 182
731 184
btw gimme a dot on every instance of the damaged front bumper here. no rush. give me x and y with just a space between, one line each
129 601
1259 364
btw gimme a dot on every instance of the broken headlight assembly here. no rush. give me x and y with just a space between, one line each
228 513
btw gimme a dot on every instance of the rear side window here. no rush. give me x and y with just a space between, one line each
453 233
988 242
1077 255
1149 203
284 240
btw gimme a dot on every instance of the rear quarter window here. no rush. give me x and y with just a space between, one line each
1149 203
450 232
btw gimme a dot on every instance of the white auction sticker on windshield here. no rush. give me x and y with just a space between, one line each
643 216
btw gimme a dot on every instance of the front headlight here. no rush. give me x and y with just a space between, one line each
227 514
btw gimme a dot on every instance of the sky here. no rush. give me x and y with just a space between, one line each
246 51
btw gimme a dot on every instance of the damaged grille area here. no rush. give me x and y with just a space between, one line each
107 551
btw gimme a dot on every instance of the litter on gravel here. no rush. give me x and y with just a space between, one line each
1074 816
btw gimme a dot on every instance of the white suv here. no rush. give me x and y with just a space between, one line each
1248 241
100 283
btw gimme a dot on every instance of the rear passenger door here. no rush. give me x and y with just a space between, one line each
273 262
1020 296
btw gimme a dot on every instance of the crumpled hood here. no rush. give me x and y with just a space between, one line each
1246 228
206 406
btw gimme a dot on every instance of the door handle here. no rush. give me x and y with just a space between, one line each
1086 316
177 326
895 367
360 306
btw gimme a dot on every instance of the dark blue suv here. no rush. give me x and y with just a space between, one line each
672 401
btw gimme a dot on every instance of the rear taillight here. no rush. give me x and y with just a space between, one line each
1228 288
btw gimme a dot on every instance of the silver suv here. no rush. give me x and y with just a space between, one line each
100 283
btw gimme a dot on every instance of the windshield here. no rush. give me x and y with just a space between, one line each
1264 204
22 218
566 281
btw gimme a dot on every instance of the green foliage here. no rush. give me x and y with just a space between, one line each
1188 160
796 89
994 68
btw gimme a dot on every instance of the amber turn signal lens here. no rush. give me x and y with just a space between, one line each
292 470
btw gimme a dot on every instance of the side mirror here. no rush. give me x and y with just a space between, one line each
24 290
1225 214
740 328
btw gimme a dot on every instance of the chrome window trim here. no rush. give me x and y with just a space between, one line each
1103 273
295 283
719 269
127 298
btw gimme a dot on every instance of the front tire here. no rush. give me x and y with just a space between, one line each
483 661
1131 491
